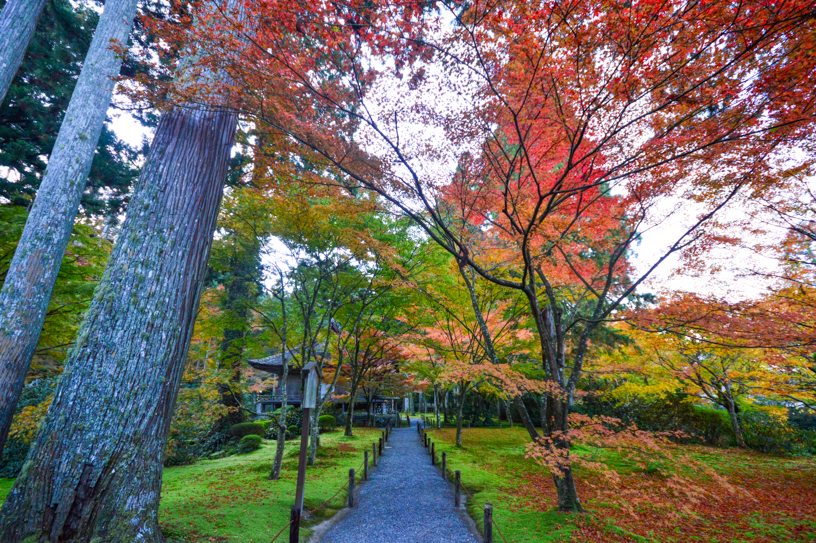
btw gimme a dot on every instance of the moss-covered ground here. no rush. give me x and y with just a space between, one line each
230 500
771 499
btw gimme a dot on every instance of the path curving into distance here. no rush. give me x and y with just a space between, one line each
405 500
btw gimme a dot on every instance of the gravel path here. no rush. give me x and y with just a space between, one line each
405 500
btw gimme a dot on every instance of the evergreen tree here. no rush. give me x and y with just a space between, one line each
33 110
17 23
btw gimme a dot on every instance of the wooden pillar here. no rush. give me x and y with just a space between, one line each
444 466
351 488
488 523
365 466
457 491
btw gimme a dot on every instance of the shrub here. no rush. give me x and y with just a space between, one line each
249 443
326 423
675 412
767 433
266 423
292 432
247 428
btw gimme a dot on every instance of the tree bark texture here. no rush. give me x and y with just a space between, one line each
94 472
30 279
18 21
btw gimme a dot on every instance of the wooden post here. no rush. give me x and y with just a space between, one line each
351 488
374 448
380 447
488 523
365 466
433 454
457 492
419 427
444 466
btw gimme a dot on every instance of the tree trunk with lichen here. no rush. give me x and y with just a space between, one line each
94 471
30 280
18 21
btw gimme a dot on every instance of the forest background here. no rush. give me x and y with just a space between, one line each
615 252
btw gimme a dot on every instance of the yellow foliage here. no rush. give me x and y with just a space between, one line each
25 424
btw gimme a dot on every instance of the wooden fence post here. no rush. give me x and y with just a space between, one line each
444 466
374 448
433 454
351 488
457 492
488 523
380 447
365 466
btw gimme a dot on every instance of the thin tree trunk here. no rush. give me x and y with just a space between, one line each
94 472
18 22
525 418
314 438
459 409
508 412
436 405
350 416
281 441
735 425
564 482
30 279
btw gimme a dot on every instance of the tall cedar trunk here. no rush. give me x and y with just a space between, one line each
18 21
30 279
94 472
281 441
243 275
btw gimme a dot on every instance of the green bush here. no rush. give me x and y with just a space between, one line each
247 428
249 443
292 432
675 412
765 433
326 423
266 423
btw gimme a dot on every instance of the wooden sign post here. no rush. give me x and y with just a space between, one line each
309 402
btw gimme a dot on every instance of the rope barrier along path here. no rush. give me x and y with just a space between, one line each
309 512
492 519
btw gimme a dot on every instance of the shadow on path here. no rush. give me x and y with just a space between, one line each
404 501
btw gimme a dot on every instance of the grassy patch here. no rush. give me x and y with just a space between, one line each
5 488
230 500
772 501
